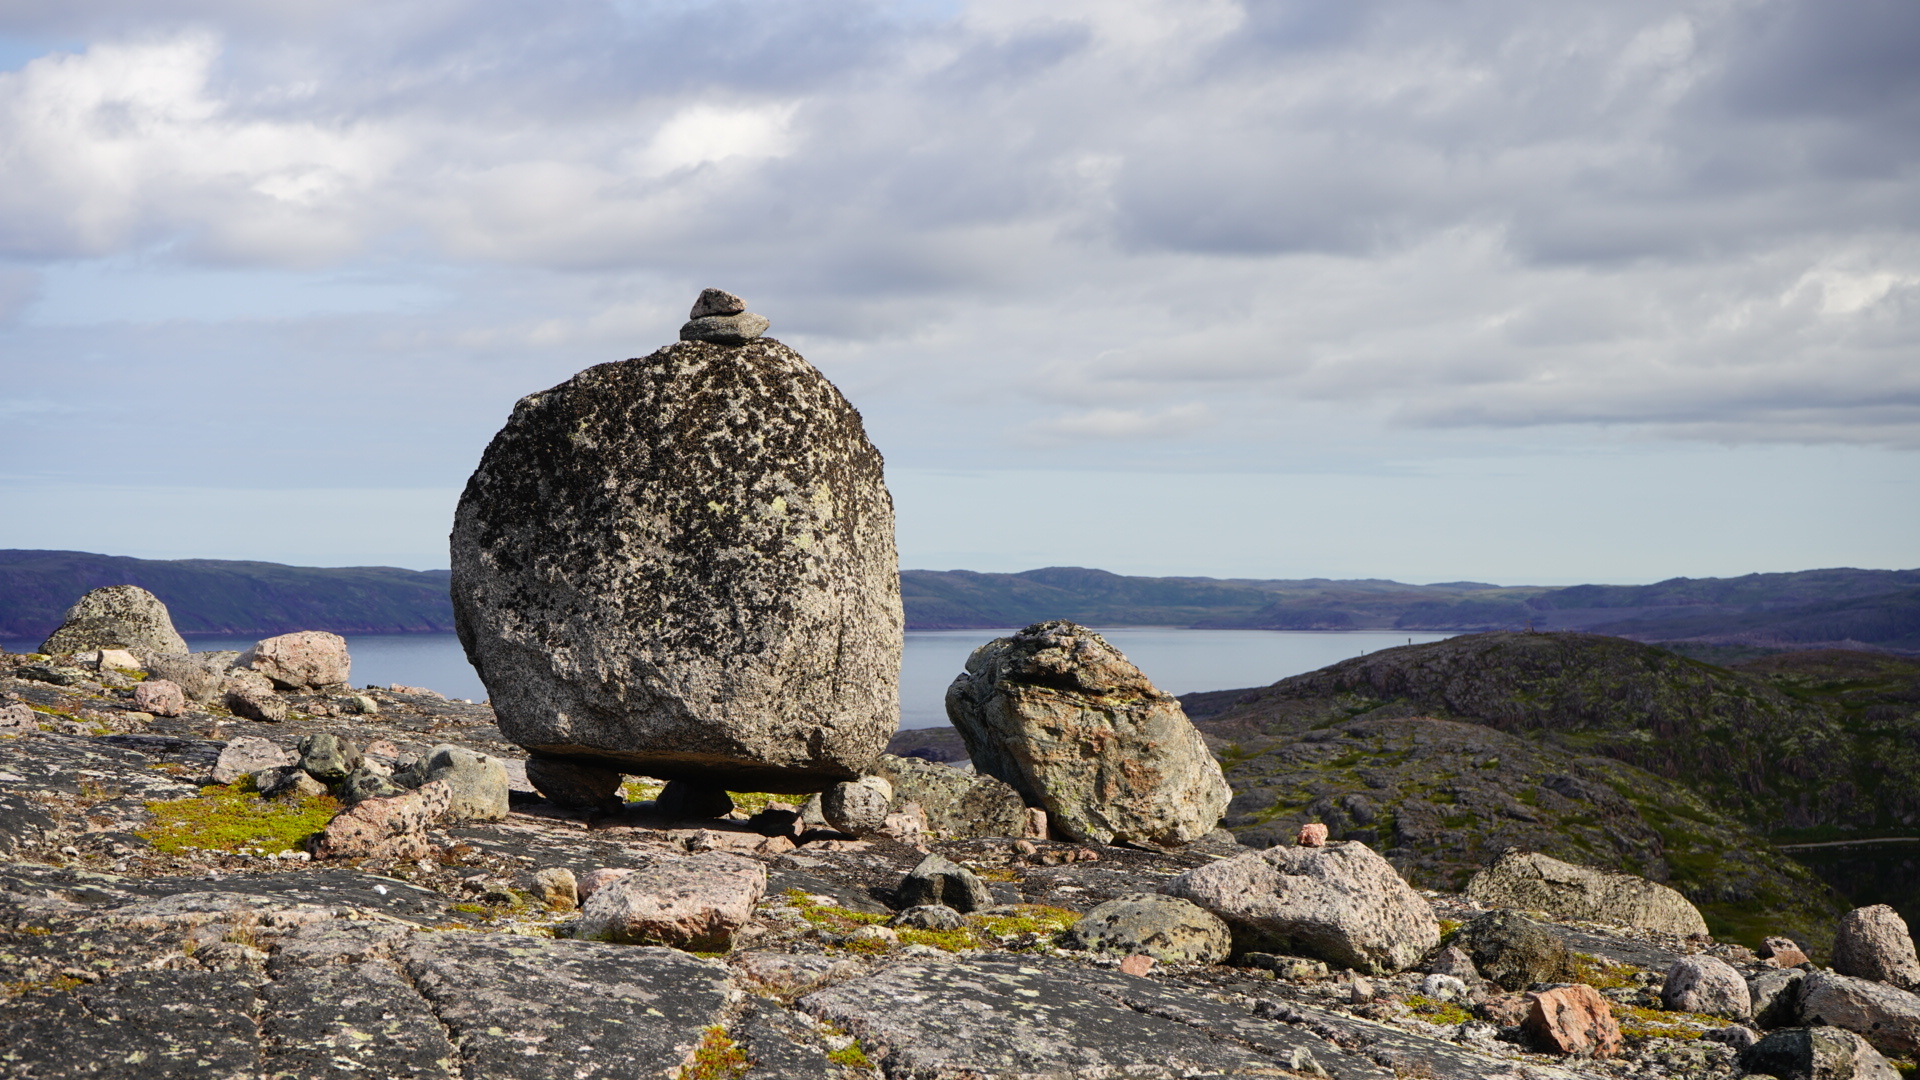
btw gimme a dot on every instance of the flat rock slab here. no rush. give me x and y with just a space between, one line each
326 887
364 1019
526 1008
156 1024
1016 1018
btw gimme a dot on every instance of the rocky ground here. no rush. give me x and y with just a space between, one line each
152 925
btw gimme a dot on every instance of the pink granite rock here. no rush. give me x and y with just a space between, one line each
693 903
594 880
161 697
1572 1020
1312 834
306 660
385 828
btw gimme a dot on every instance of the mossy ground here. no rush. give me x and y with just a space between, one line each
1637 1022
236 817
1437 1012
716 1058
1009 930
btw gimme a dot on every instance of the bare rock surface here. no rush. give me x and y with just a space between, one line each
1874 943
116 617
1530 881
1341 903
683 566
1078 730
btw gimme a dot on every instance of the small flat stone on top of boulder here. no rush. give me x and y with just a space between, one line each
116 617
1163 927
1874 943
1530 881
697 902
939 880
1707 984
1342 903
304 660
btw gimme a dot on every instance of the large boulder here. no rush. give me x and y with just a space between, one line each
1874 943
1818 1053
306 660
116 617
1885 1016
1530 881
1342 903
683 566
958 803
1079 731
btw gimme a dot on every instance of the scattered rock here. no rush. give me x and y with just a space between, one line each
1782 952
958 803
928 917
557 888
306 660
254 702
1706 984
392 828
1737 1036
573 784
1162 927
1886 1016
1286 967
858 807
1573 1020
1443 988
116 617
327 757
360 704
686 800
1453 960
1342 903
1530 881
639 586
1873 943
476 782
104 660
1312 834
1776 997
697 902
18 715
938 880
161 697
290 783
246 755
1359 989
1137 965
1512 951
1818 1053
201 676
1079 731
367 783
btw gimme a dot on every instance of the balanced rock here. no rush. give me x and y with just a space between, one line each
571 784
1874 943
1163 927
722 318
1817 1053
1342 903
1706 984
307 660
1529 881
116 617
683 566
1079 731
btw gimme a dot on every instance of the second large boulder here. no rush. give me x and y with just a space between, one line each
117 617
1082 733
1530 881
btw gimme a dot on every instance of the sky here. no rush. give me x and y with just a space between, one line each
1488 290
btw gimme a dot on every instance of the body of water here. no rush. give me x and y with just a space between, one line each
1178 661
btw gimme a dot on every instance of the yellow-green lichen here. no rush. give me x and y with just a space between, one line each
233 817
716 1058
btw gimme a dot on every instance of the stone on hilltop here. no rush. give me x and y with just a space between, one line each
683 566
1079 731
1530 881
1874 943
1709 985
306 660
116 617
1342 903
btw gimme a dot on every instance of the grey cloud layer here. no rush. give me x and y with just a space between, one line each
1190 222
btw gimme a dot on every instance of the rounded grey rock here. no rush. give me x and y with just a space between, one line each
116 617
1874 943
928 917
858 806
1707 984
478 783
683 566
1163 927
725 329
328 758
716 302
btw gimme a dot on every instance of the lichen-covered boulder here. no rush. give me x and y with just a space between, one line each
1530 881
116 617
1163 927
1709 985
683 566
957 803
1874 943
1079 731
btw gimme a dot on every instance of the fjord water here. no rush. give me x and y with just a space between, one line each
1178 661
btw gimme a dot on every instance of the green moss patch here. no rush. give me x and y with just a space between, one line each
716 1058
233 817
1437 1012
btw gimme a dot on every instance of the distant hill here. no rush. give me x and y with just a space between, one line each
212 596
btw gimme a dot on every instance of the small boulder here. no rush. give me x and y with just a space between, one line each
1080 732
574 784
938 880
1782 952
1709 985
18 716
388 829
1453 960
201 676
254 702
1776 997
716 302
1312 834
1443 988
288 784
857 807
557 888
327 757
697 902
1737 1036
593 880
1530 881
476 782
928 917
105 660
1573 1020
1885 1016
1163 927
367 783
116 617
161 697
958 803
1874 943
686 800
1816 1053
306 660
1342 903
1513 951
246 755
